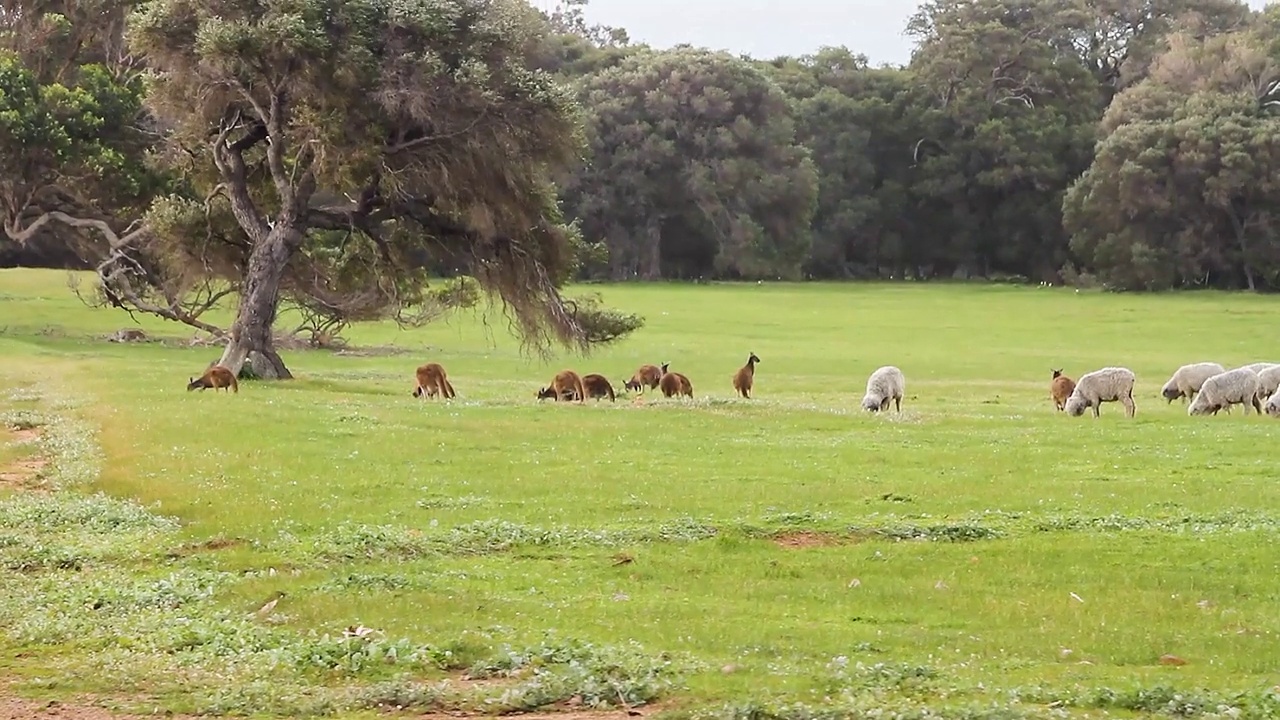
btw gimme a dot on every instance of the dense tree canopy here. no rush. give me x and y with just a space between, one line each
336 155
695 169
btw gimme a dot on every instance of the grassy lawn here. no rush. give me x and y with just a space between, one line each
977 555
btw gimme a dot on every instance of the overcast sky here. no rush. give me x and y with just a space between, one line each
768 28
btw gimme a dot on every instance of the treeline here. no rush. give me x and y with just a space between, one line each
1130 143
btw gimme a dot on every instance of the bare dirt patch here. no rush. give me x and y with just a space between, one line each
17 709
807 539
22 473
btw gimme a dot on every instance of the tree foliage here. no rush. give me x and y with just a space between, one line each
695 169
332 157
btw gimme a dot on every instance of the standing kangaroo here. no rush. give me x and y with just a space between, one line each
746 377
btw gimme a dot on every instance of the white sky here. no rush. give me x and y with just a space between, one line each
767 28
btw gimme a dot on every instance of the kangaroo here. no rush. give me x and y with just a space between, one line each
432 380
1060 389
598 386
215 377
746 376
647 376
673 383
566 384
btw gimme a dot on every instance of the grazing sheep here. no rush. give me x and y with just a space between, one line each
1258 366
885 384
1186 380
746 376
1106 385
598 386
673 383
1268 382
1234 387
647 376
1272 407
1060 388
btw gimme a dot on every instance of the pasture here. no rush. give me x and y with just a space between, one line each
977 556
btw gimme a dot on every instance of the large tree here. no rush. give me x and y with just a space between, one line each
695 169
331 142
1184 191
74 136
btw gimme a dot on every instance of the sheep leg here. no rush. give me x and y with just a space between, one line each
897 404
1129 408
1257 405
1097 408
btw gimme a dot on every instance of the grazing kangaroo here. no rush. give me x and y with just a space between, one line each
746 377
215 377
597 386
673 383
433 380
566 384
647 376
1060 389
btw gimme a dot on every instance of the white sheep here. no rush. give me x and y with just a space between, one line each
1186 380
1272 406
1257 367
885 384
1106 385
1268 382
1233 387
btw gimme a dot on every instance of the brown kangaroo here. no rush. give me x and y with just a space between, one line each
215 377
746 376
433 380
1060 389
597 386
566 384
673 383
646 376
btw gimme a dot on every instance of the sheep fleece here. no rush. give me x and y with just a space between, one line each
1239 386
884 384
1106 385
1188 379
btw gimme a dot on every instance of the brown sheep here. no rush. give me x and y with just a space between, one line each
647 376
598 386
566 384
673 383
433 380
215 377
746 376
1060 389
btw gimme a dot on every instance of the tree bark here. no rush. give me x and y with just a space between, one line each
259 301
1237 224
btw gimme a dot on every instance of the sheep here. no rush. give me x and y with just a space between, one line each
745 377
1258 366
1268 382
1108 384
1272 406
1239 386
885 384
1060 388
1186 380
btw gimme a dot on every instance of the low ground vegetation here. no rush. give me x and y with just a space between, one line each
333 546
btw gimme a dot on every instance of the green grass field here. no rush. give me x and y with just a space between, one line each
977 556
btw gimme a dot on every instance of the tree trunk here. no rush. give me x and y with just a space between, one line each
259 300
652 254
1237 224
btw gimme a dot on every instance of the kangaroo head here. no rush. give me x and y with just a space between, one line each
753 358
1057 373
